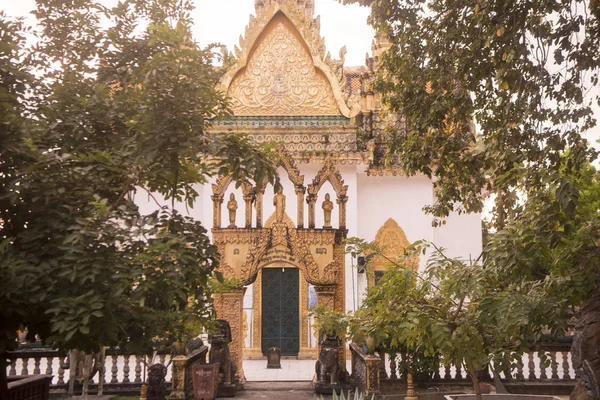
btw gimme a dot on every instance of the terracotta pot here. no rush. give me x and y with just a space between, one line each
485 388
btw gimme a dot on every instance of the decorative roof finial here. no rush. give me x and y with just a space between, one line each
308 6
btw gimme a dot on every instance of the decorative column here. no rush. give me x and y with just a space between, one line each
248 200
341 202
178 378
326 296
300 190
311 199
259 207
229 306
217 203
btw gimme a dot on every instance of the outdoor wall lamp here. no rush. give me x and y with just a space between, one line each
360 262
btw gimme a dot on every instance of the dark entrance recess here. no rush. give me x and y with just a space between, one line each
280 310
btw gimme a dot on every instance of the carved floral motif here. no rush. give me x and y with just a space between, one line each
281 79
393 242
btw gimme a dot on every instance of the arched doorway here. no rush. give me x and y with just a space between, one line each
280 309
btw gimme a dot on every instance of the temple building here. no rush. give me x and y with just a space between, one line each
287 248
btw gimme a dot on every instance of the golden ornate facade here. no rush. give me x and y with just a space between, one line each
285 88
280 78
329 128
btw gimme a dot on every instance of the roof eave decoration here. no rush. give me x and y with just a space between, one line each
300 14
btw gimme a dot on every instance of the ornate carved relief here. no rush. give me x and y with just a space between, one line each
310 142
244 328
317 236
393 242
303 311
281 79
283 234
222 237
223 182
332 271
257 310
325 296
226 270
287 162
328 173
229 307
300 15
250 268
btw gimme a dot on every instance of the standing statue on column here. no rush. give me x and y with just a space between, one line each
279 203
232 206
327 207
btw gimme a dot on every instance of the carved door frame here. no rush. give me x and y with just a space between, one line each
255 350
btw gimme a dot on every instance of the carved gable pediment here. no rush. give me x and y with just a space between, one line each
280 77
393 242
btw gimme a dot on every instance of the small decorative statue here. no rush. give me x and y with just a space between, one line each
327 207
273 358
192 346
279 203
219 353
157 389
232 206
328 365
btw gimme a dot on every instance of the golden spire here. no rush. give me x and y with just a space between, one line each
308 6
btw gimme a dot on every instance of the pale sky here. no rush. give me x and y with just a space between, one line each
223 21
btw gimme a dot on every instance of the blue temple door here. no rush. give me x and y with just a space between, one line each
280 310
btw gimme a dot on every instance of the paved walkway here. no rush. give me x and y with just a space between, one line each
291 370
277 391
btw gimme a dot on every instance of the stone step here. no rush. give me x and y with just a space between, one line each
279 386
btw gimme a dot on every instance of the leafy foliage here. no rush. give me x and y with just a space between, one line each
109 102
462 312
521 71
496 97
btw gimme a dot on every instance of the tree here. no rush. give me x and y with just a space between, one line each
107 103
456 309
525 73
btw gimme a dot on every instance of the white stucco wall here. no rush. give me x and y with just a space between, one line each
149 203
372 200
460 236
400 198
